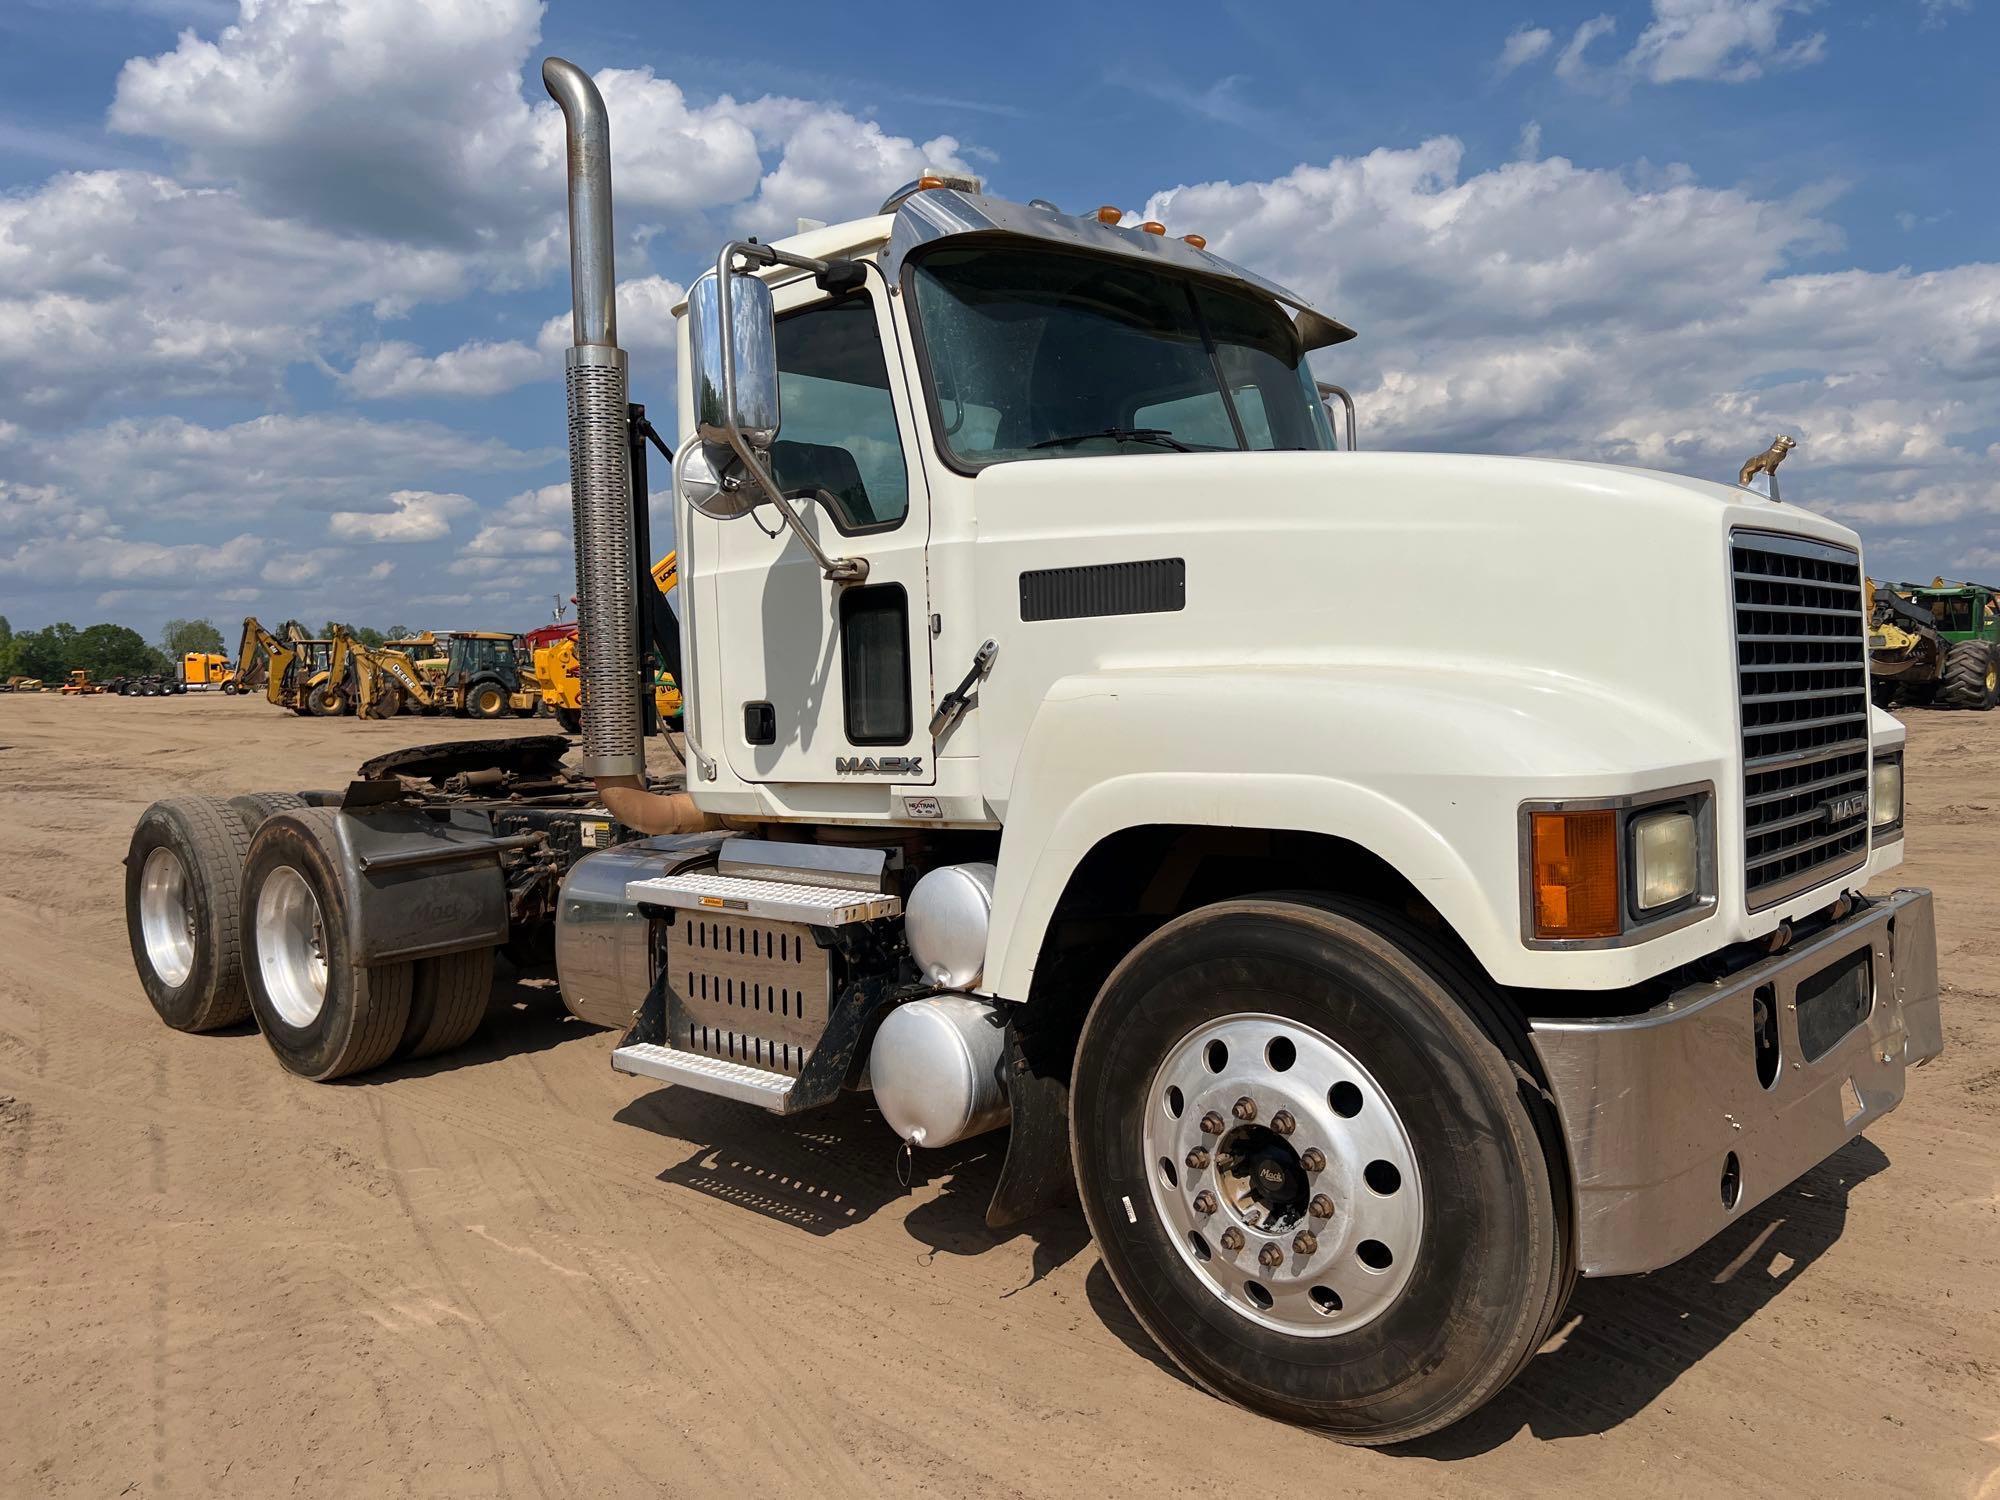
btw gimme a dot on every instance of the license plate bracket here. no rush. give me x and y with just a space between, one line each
1832 1002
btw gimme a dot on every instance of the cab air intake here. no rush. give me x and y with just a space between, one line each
600 476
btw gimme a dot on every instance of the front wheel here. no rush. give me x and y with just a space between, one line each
571 720
1308 1161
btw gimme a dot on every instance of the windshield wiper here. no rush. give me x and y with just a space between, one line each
1158 435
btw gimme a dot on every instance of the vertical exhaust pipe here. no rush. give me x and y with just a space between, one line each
600 473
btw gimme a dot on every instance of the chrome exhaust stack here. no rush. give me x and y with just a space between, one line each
600 472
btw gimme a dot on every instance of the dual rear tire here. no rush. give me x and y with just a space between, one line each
1306 1151
235 910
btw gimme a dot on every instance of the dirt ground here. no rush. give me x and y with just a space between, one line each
514 1272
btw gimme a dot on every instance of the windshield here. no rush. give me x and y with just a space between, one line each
1036 353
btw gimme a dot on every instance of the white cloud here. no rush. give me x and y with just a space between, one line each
480 368
531 532
120 285
413 516
1523 45
263 468
1727 41
400 371
102 559
1718 41
1572 65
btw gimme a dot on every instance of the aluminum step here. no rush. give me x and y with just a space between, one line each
706 1075
770 900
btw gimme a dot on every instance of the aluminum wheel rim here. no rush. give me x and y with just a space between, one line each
291 947
1335 1271
166 916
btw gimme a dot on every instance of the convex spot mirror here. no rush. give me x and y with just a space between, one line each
733 347
709 476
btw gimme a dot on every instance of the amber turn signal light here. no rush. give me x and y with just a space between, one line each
1196 240
1110 214
1574 859
1153 226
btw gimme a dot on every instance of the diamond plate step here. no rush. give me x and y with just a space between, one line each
707 1075
770 900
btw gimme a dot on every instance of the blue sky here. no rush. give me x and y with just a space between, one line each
275 285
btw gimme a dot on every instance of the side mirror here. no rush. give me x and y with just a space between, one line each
733 343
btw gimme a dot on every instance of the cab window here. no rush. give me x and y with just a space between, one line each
839 440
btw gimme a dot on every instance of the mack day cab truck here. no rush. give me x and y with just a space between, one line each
1086 770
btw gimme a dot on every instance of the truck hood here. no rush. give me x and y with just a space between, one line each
1572 578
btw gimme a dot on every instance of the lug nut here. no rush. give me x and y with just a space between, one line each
1204 1202
1197 1158
1283 1123
1232 1239
1321 1207
1305 1242
1211 1123
1313 1159
1270 1256
1244 1109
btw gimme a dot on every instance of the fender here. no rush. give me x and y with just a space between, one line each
1424 766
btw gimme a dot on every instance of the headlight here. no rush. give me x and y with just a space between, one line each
1888 793
1666 858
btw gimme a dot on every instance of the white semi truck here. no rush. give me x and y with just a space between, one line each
1383 887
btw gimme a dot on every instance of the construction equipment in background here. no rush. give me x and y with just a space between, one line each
558 664
206 669
558 672
1967 618
484 676
80 685
290 671
23 685
1906 655
379 682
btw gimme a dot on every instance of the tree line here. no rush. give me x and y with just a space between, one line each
107 650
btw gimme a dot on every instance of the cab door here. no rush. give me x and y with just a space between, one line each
822 682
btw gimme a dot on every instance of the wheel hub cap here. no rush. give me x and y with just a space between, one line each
291 947
166 917
1312 1231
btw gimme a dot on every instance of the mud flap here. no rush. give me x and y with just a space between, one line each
1037 1175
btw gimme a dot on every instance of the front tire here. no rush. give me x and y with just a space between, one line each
324 1015
486 700
1382 1261
183 911
1972 675
571 720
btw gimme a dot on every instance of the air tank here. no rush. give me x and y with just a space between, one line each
938 1069
945 922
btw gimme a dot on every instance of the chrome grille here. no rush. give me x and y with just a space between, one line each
1802 680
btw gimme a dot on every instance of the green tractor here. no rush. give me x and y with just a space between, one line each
1968 622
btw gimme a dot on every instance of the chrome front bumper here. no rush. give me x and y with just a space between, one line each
1654 1106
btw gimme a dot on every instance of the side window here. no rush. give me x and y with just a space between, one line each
875 663
839 432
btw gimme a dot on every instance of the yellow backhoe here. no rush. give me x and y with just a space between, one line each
382 681
558 668
295 674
